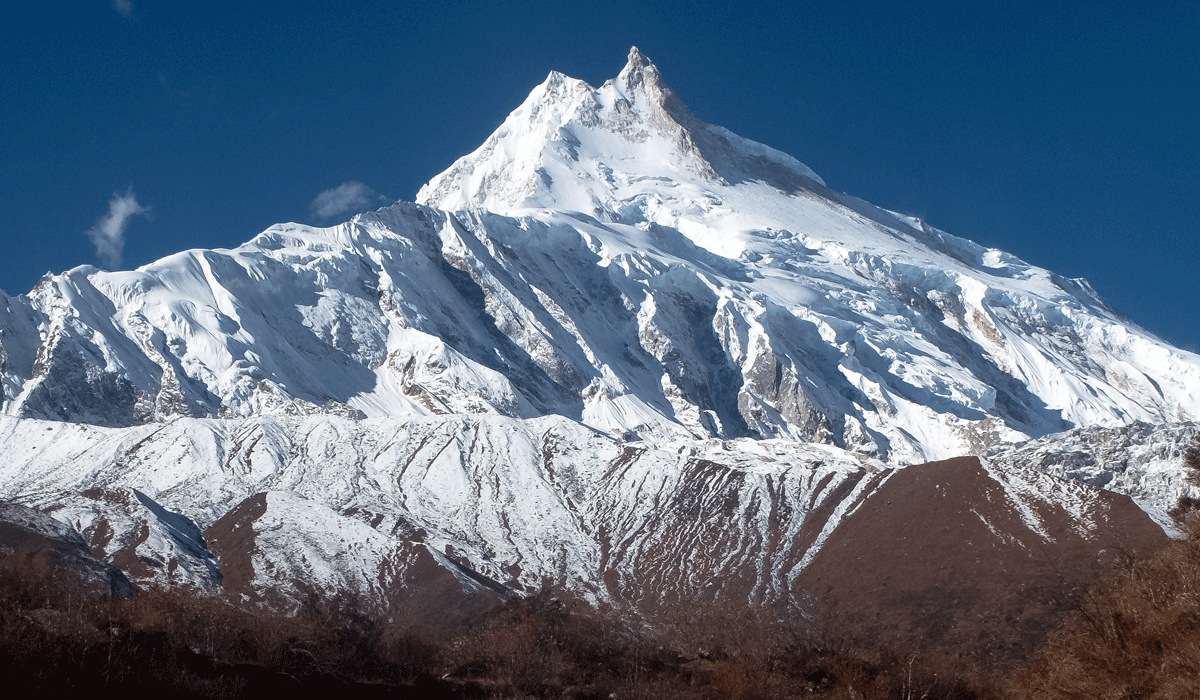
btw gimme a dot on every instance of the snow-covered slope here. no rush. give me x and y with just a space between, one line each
1140 460
523 501
607 257
293 507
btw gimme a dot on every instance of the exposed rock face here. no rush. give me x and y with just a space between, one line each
70 386
44 546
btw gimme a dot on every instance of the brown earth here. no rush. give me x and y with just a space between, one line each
35 542
918 566
417 588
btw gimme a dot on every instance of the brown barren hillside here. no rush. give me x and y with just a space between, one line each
942 558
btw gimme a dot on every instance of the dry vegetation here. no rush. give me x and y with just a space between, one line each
543 647
62 644
1135 636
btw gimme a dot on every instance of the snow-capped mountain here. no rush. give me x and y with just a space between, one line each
615 349
607 257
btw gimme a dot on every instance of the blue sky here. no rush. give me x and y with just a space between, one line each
1069 136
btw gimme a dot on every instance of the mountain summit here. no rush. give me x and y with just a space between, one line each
608 257
605 152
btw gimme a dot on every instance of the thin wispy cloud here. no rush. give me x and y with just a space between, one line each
124 7
108 234
347 198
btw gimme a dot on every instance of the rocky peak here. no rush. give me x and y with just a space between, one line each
572 147
640 75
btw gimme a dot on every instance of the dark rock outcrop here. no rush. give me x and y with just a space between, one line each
48 548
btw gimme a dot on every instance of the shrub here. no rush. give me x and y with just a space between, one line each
1186 504
546 646
1137 636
